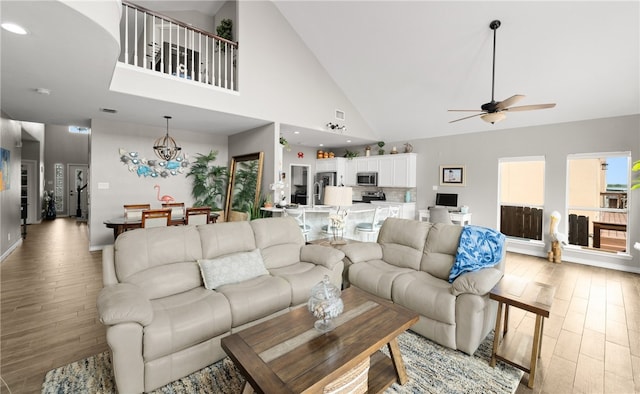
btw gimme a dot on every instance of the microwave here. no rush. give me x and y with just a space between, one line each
367 179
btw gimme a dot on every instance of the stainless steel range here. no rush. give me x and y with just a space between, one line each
373 196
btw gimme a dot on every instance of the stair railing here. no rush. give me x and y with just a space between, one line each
156 42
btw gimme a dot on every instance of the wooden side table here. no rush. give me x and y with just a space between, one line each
517 348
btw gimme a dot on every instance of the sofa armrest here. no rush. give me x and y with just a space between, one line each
478 282
124 303
109 277
363 251
321 255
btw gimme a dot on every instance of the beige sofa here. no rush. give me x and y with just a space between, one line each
163 324
410 264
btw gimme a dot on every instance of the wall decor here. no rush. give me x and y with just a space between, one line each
452 175
154 168
5 160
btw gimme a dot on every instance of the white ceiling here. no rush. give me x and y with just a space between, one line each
401 63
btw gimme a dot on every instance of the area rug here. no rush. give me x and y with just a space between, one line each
431 369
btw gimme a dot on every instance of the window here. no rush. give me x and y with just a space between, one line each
79 130
597 200
521 182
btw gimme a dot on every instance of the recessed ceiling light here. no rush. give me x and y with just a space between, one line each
349 141
296 132
43 91
13 28
321 144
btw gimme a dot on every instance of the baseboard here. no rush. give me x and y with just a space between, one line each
10 250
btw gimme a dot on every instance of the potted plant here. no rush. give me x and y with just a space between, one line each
380 145
285 143
209 182
267 202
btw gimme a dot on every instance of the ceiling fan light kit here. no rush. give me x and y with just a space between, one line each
493 117
493 111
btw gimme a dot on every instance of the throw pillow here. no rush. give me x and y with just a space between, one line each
232 268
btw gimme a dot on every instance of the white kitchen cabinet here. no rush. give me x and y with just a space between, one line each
350 172
366 164
407 209
397 170
336 164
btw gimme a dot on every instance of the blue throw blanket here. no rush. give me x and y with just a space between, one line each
479 247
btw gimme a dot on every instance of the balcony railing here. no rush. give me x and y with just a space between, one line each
159 43
521 221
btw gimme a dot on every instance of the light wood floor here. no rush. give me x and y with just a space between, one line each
48 316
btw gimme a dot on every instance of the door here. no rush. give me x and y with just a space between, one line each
78 176
29 190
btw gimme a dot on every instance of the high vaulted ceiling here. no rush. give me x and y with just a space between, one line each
402 64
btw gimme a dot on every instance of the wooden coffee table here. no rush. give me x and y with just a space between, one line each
287 355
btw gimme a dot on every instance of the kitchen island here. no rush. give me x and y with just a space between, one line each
317 216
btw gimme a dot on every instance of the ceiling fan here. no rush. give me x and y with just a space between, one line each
494 111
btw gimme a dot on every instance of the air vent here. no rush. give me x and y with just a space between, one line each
339 114
108 110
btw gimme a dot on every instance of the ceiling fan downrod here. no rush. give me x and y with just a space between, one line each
494 25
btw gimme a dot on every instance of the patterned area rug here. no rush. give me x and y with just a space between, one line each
431 369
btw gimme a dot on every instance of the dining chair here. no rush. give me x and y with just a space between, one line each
156 218
177 211
198 215
439 215
134 211
372 227
299 214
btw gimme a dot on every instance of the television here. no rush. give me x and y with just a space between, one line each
447 199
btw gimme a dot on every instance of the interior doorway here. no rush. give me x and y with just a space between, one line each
78 179
29 194
300 183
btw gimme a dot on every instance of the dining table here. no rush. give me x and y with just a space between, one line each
121 224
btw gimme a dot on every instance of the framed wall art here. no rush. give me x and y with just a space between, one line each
452 175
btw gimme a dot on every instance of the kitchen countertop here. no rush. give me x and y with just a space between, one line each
322 208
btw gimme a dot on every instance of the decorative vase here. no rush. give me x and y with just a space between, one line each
325 304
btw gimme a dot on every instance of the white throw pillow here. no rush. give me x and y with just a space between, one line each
232 268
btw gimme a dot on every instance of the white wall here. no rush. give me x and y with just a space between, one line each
10 237
125 187
480 152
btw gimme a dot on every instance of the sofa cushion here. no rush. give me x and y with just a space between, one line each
168 279
303 276
375 277
256 298
231 268
183 320
279 240
429 296
440 250
402 241
220 239
157 249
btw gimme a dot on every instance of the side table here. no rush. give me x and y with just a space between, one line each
516 348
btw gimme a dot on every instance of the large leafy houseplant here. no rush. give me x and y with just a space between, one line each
209 182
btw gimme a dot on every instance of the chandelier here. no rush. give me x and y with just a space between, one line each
166 147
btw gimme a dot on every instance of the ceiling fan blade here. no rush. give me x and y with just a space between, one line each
530 107
509 102
467 117
465 110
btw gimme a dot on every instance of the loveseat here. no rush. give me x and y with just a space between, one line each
163 324
410 265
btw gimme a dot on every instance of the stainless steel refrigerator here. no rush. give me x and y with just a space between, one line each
323 179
